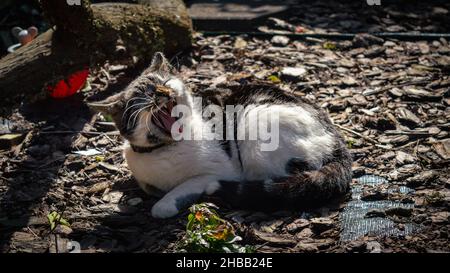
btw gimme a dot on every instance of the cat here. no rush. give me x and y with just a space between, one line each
309 166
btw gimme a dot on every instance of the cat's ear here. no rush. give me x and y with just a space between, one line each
109 106
160 63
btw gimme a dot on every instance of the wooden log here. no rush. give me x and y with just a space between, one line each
87 36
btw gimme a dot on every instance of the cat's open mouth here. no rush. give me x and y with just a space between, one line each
163 119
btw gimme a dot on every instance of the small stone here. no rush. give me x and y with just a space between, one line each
134 201
389 44
293 73
280 40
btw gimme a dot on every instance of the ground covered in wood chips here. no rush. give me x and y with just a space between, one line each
389 98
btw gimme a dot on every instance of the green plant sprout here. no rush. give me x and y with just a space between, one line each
207 232
55 219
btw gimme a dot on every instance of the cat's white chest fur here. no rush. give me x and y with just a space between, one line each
168 167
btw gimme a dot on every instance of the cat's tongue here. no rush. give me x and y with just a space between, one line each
164 119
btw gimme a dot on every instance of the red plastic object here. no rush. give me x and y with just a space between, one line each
66 88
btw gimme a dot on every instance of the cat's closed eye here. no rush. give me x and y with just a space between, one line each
150 88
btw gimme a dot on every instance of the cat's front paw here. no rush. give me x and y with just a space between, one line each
164 209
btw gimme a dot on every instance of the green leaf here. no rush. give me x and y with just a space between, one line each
329 45
190 223
274 79
99 158
55 219
108 118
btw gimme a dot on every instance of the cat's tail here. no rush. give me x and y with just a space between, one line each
298 190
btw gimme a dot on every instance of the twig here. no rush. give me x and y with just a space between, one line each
338 36
113 133
418 134
356 133
32 232
407 145
109 139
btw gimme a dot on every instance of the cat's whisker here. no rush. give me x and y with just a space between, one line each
133 99
158 109
136 115
127 108
131 116
143 110
150 113
135 105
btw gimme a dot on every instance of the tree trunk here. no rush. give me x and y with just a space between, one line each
87 36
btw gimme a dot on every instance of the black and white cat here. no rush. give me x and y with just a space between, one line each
310 164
